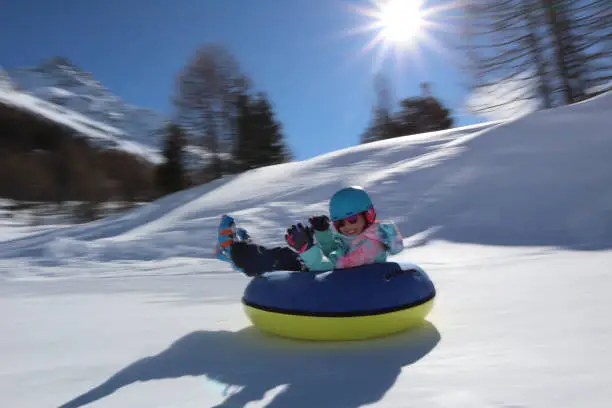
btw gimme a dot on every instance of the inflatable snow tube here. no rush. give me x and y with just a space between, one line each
344 304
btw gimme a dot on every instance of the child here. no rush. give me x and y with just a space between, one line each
358 240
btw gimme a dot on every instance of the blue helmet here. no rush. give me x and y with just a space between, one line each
351 201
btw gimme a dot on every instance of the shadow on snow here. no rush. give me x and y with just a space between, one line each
347 374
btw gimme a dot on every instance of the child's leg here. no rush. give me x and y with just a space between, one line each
256 259
287 259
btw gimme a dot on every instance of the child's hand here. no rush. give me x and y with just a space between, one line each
299 238
319 222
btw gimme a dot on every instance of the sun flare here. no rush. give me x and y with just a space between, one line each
400 20
402 25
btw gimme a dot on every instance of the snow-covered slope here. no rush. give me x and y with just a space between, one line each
511 220
538 180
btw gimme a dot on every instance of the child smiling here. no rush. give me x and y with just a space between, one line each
358 239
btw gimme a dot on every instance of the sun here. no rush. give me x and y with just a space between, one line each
399 21
405 26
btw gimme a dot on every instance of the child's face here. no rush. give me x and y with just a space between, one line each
353 225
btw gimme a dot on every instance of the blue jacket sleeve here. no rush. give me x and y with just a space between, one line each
325 240
316 261
391 237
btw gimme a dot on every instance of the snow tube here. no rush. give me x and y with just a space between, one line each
344 304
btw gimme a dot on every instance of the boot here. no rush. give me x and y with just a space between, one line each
225 238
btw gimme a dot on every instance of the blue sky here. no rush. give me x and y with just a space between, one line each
319 80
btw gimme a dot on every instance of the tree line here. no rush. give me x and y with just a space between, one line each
553 51
220 125
43 161
218 110
416 114
517 56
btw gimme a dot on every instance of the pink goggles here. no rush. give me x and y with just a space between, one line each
351 220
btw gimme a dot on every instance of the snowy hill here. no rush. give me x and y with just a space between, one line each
512 220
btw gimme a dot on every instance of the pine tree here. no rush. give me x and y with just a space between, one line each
244 144
260 141
273 147
382 125
171 175
418 114
422 114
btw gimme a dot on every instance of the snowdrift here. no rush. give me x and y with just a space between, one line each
540 180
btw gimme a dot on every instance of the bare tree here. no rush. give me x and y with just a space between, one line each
207 91
503 52
581 33
534 20
549 51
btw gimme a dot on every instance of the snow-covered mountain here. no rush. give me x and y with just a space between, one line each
60 82
98 133
511 220
61 91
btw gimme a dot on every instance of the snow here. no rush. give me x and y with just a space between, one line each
506 98
512 220
607 86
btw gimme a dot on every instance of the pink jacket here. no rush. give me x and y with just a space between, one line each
334 250
362 249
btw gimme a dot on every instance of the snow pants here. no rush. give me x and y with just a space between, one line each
256 259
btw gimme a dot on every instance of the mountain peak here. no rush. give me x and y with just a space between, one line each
65 72
59 62
57 80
